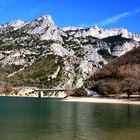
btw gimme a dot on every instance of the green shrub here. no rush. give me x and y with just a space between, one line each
105 54
80 92
117 38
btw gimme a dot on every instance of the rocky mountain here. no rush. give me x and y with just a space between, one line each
120 76
101 33
39 53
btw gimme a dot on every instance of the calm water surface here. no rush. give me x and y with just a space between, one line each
50 119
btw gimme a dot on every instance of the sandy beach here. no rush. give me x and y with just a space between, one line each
100 100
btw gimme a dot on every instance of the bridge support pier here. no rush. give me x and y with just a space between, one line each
40 94
54 92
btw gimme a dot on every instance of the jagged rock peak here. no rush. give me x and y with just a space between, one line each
42 24
17 23
101 33
45 27
46 19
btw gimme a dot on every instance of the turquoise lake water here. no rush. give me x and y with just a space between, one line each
52 119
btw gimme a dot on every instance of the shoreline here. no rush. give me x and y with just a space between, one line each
105 100
100 100
24 96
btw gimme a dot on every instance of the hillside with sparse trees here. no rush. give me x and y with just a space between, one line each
121 75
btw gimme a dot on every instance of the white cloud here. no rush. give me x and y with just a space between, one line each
117 17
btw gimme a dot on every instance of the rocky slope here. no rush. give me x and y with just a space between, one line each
38 53
101 33
122 75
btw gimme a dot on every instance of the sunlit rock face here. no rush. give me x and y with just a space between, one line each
102 33
17 24
69 55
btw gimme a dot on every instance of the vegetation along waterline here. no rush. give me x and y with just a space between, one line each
69 70
39 55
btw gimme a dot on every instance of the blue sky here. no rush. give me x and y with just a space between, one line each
85 13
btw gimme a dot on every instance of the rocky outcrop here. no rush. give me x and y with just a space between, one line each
101 33
38 51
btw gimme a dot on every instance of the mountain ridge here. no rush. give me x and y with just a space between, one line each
94 31
24 46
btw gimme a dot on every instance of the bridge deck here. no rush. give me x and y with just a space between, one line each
50 90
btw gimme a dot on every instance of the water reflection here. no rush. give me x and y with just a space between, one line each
43 119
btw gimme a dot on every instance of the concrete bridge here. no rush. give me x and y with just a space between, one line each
52 92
